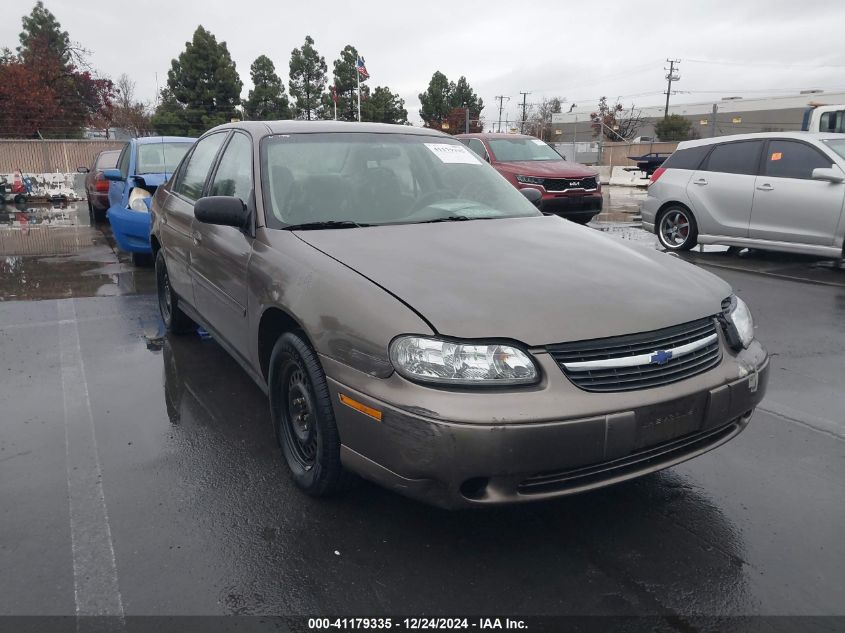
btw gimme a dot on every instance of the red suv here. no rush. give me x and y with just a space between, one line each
569 189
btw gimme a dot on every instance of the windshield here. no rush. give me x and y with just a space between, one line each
381 179
837 145
160 158
507 150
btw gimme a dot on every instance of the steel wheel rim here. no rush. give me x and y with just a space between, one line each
675 228
164 295
300 422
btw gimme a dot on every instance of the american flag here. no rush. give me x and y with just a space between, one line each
361 68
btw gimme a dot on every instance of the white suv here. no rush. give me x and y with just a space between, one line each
779 191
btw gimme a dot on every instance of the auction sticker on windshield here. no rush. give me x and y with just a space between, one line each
449 153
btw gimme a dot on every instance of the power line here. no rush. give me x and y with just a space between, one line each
762 64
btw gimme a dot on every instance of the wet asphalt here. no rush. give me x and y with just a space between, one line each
139 474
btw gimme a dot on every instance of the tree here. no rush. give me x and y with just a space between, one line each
307 79
538 119
345 78
52 98
441 100
383 106
673 128
615 122
267 100
128 113
170 118
205 81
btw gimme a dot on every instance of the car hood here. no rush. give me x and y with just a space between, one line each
546 168
536 280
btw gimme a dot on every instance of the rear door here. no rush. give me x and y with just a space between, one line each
789 206
220 254
178 217
722 189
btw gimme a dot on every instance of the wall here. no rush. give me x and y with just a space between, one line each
40 157
616 154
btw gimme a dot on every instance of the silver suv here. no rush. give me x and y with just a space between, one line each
778 191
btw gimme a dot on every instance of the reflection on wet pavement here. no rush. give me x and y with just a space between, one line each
51 252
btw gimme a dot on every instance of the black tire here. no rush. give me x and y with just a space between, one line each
677 229
303 418
176 321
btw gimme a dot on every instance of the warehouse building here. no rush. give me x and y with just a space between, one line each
729 115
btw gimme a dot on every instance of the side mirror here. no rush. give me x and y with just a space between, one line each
113 174
830 174
223 210
82 170
534 196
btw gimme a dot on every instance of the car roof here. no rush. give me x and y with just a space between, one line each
811 136
147 140
268 128
492 135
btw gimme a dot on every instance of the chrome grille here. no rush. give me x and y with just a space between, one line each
565 184
640 361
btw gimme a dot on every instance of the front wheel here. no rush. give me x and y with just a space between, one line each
676 229
174 319
303 418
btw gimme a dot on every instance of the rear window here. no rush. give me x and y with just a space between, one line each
742 157
688 158
107 160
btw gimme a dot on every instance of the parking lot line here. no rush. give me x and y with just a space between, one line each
96 590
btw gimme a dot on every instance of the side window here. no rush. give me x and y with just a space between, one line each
234 174
123 161
735 158
832 122
192 179
478 147
688 158
792 159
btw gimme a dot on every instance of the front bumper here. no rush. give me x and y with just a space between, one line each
568 204
457 464
131 229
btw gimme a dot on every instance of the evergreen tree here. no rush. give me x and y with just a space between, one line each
346 84
307 79
383 106
205 81
436 101
43 33
170 118
464 96
267 100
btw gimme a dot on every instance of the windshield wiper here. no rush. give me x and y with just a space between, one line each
326 224
450 218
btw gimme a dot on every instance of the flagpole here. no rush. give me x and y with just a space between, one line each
334 100
358 78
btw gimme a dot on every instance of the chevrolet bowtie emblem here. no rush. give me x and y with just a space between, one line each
661 357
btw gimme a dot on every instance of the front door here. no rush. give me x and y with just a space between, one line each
178 219
789 206
220 254
722 189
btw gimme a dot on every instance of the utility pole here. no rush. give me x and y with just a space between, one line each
501 99
670 78
466 119
713 121
522 124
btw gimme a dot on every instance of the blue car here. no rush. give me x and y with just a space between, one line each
143 165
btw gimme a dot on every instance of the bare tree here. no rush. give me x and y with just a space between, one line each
538 117
615 122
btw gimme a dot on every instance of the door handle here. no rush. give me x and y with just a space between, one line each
765 187
700 181
197 237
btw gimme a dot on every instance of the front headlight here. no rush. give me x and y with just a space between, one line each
739 316
139 199
530 180
456 363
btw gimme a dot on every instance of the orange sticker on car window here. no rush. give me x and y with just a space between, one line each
777 155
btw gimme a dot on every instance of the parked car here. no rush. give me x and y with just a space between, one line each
570 190
415 320
781 191
144 164
96 185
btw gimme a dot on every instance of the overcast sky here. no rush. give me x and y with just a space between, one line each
579 51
